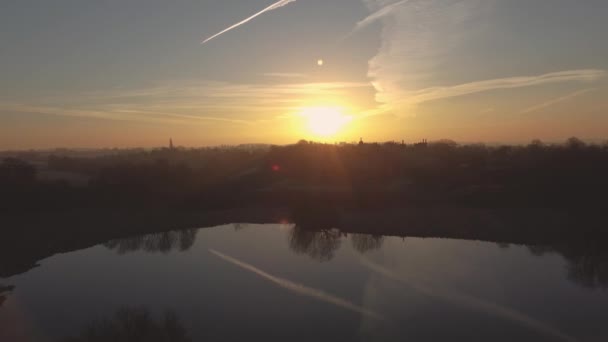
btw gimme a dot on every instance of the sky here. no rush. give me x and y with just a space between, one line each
113 73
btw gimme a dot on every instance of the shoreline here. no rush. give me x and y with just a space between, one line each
28 239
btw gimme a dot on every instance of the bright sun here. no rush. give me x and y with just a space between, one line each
325 121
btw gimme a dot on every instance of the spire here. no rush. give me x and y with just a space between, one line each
171 144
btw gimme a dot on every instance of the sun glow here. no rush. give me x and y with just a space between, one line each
325 121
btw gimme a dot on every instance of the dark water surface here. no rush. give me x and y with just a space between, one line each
281 283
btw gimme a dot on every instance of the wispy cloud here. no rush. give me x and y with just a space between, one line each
471 302
183 102
379 14
299 288
436 93
423 41
274 6
555 101
284 75
122 113
416 38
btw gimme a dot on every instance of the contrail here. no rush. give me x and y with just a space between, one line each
555 101
300 289
274 6
471 302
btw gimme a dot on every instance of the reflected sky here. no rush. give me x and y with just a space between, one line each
280 282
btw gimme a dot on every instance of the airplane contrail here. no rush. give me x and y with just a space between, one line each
555 101
274 6
299 288
471 302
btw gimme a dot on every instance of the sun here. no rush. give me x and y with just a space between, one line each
325 121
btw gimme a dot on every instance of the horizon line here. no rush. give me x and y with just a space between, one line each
592 141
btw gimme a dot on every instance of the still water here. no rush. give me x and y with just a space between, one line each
279 283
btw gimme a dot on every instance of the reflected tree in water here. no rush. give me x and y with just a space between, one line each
539 250
164 242
588 266
239 226
587 263
133 325
4 290
364 243
319 245
589 272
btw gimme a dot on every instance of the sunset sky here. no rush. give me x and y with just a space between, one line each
134 73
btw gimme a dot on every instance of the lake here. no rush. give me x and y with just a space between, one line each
277 282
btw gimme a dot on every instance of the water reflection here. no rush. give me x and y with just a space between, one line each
164 242
588 272
364 243
375 288
239 226
454 296
4 291
133 325
299 288
320 245
503 245
587 262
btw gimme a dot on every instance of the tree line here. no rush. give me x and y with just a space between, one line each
568 174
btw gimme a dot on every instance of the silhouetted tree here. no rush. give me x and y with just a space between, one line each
575 143
536 144
445 143
15 172
571 174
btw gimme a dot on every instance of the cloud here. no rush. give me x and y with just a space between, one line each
458 298
416 39
183 102
206 102
379 14
299 288
555 101
117 114
422 43
437 93
284 75
274 6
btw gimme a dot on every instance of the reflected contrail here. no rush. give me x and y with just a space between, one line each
471 302
298 288
274 6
